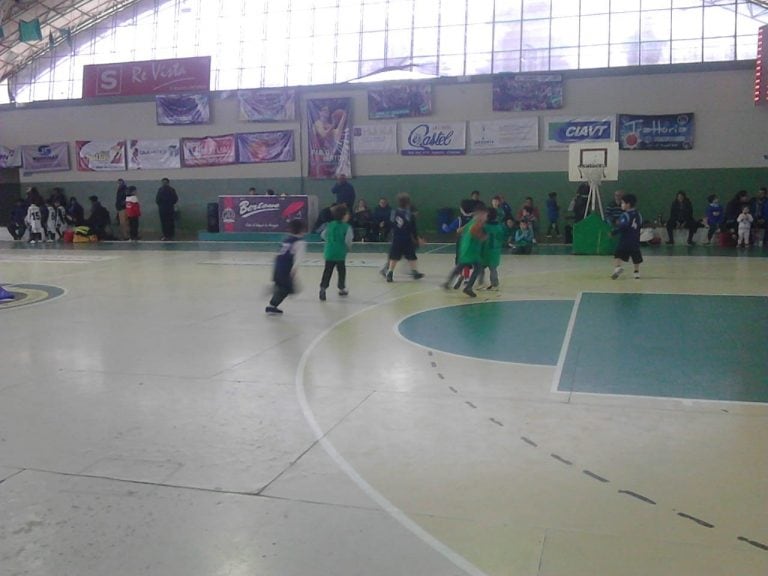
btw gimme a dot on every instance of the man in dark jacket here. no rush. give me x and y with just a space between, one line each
681 216
99 220
166 200
17 227
122 189
344 192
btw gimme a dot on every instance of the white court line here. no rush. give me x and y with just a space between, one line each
449 554
566 343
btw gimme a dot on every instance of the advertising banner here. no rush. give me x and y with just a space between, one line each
400 101
433 139
519 92
664 132
100 155
267 105
10 157
147 77
561 132
52 157
183 109
154 154
261 213
329 139
499 136
208 151
258 147
374 139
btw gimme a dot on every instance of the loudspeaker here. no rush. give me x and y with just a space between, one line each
213 217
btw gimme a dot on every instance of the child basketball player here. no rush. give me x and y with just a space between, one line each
338 239
628 229
286 262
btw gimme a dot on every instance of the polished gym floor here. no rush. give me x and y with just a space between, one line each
154 420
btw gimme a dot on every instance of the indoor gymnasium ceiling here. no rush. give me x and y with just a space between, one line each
77 15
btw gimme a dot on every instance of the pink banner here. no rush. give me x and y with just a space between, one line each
328 124
257 147
149 77
208 151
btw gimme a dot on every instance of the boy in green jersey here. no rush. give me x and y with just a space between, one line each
470 247
338 238
490 254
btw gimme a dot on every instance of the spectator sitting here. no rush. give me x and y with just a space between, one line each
99 220
523 239
503 209
362 222
613 210
381 220
75 213
681 216
714 217
16 225
759 210
732 211
533 216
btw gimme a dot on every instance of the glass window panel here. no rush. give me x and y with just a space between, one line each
536 9
299 74
451 40
564 59
374 17
228 79
565 32
593 57
719 49
347 71
479 38
424 41
318 3
654 53
686 51
655 25
453 13
562 8
480 11
325 21
451 66
535 34
594 7
398 43
274 75
299 51
508 10
746 47
300 23
745 24
426 13
251 77
324 49
656 4
349 19
322 73
687 3
506 62
277 24
373 46
625 6
594 30
625 27
371 66
252 9
478 64
718 21
624 55
687 23
507 36
347 47
400 15
534 60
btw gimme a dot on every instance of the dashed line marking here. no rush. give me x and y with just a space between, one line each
596 476
439 375
496 422
561 459
697 520
468 403
452 389
638 496
434 364
754 543
529 441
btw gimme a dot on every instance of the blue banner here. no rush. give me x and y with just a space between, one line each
183 109
663 132
559 133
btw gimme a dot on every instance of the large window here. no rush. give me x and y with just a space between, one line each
269 43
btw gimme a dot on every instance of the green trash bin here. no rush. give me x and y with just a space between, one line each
593 236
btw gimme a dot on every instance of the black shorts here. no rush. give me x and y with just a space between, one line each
399 250
625 254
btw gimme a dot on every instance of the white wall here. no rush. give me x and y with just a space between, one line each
730 131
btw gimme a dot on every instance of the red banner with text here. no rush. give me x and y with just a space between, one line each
149 77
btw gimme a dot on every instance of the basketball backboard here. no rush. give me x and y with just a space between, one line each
590 154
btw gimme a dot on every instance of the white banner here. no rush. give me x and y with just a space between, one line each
100 155
559 133
153 154
374 139
498 136
424 139
10 157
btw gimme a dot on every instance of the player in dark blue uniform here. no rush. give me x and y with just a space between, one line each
291 252
628 228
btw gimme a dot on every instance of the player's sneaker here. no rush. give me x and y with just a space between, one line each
636 275
343 292
616 273
469 292
5 295
417 275
383 272
322 294
390 276
273 310
458 282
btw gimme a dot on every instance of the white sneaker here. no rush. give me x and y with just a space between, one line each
636 275
616 273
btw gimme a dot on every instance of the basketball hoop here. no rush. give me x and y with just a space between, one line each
593 174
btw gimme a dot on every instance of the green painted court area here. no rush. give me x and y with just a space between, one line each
527 332
664 345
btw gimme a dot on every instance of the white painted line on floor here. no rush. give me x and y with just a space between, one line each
566 344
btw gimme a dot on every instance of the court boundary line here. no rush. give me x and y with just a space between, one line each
401 517
556 377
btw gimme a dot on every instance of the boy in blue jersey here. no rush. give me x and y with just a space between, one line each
628 229
291 252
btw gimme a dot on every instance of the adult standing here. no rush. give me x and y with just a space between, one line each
122 220
344 192
681 216
166 199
